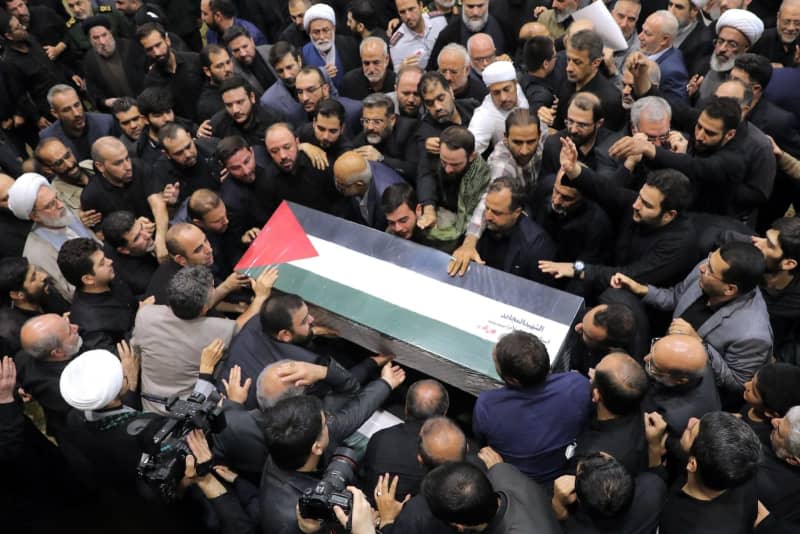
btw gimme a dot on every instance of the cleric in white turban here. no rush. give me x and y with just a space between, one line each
22 195
319 11
747 23
92 380
488 123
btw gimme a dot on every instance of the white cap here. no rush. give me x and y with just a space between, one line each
499 71
22 195
319 11
92 380
744 21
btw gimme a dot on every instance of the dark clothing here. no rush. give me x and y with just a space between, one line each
457 32
203 175
259 73
697 48
292 35
40 379
253 129
34 71
104 319
773 48
47 26
184 84
394 450
538 91
209 102
100 82
584 233
399 150
306 135
474 89
784 315
621 437
698 312
596 159
733 512
105 197
760 166
97 125
605 90
519 251
523 503
11 321
280 491
245 210
305 185
356 86
659 256
416 518
159 281
640 518
136 271
429 163
14 232
778 482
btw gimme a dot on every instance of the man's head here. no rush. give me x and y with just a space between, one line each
724 452
328 122
374 54
352 174
399 205
188 245
66 106
12 29
482 51
658 32
377 118
112 161
774 389
32 198
753 70
426 398
737 31
58 160
501 80
282 146
788 21
319 22
410 13
80 9
475 14
311 87
84 264
740 92
207 210
584 118
236 155
780 245
459 494
437 96
603 486
217 14
178 144
676 360
607 326
732 270
564 8
239 98
155 41
521 359
505 199
626 14
241 44
361 17
21 282
123 231
522 135
286 61
619 383
563 198
297 11
716 125
19 9
785 436
189 292
98 30
540 54
271 388
298 432
584 55
50 337
128 116
666 194
651 116
456 152
684 10
129 7
285 318
216 63
440 441
155 105
454 64
407 90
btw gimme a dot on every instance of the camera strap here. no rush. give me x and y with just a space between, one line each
155 398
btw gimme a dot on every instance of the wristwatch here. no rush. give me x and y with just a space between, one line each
578 267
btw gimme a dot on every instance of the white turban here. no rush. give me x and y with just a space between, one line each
744 21
499 71
699 4
92 380
22 195
319 11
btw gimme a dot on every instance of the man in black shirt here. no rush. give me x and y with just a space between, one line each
245 210
206 209
242 114
189 165
155 105
454 64
294 32
130 245
327 129
374 76
43 23
217 67
14 230
253 66
103 309
386 137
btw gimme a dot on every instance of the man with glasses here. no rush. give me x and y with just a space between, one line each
475 18
656 41
337 54
779 44
312 87
482 53
364 182
737 31
454 64
386 137
68 178
720 305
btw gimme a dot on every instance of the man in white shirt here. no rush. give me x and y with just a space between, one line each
411 44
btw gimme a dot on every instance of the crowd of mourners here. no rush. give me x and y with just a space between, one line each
145 144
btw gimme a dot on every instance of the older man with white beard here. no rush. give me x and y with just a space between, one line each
737 31
337 54
505 94
475 18
32 198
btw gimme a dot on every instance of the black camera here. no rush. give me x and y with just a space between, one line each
164 458
318 502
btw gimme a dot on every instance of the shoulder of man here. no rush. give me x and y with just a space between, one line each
396 37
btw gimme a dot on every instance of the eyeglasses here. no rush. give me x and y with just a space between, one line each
660 139
377 122
484 60
60 161
310 90
316 32
650 365
732 45
579 125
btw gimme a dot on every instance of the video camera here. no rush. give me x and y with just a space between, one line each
318 502
163 461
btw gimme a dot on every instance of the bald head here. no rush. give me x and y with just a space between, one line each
481 51
441 441
530 30
50 337
5 184
426 398
105 147
678 356
620 383
270 388
352 173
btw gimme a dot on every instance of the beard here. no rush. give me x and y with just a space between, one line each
581 139
57 222
719 65
475 25
323 46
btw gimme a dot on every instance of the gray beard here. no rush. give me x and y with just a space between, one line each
718 66
475 26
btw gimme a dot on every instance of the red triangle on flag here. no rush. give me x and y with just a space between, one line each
280 241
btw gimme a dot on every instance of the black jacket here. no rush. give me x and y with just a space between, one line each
597 159
184 85
95 70
697 48
457 32
356 86
399 149
526 245
394 450
583 234
538 91
261 118
610 98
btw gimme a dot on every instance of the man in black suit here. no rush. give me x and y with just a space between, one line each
475 18
386 137
694 38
